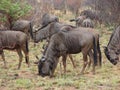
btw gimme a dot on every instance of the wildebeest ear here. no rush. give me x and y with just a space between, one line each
37 57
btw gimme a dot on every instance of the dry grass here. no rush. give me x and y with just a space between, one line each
106 78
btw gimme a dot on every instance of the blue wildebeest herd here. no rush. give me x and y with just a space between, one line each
63 40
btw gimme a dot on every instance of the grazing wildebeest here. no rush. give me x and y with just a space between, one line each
23 26
67 42
14 40
112 50
87 23
55 27
78 20
49 30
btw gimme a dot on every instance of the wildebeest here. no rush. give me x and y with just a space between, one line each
14 40
78 20
23 26
67 42
87 23
55 27
112 50
89 14
49 30
45 32
93 15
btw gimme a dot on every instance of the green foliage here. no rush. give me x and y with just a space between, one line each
14 9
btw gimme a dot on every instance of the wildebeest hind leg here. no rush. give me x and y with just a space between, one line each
84 63
90 54
26 56
64 62
3 57
20 57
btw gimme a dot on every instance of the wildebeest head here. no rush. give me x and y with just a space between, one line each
48 18
46 67
111 55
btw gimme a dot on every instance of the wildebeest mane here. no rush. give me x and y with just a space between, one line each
40 28
115 38
47 31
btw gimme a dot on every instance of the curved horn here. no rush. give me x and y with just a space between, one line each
37 57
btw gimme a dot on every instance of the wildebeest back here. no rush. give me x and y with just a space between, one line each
20 25
74 40
9 39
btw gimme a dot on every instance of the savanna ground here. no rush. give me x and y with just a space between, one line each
106 78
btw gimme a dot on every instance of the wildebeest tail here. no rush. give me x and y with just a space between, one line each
99 51
31 30
27 51
95 51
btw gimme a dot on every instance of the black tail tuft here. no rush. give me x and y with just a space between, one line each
99 51
27 49
95 51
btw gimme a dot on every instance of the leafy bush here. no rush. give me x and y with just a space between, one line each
13 10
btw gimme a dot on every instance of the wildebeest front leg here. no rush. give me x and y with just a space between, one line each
71 58
84 63
20 57
64 62
3 57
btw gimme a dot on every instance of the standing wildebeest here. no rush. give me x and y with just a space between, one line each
67 42
112 50
23 26
87 23
14 40
93 15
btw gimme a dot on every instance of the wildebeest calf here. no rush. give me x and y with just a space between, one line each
14 40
